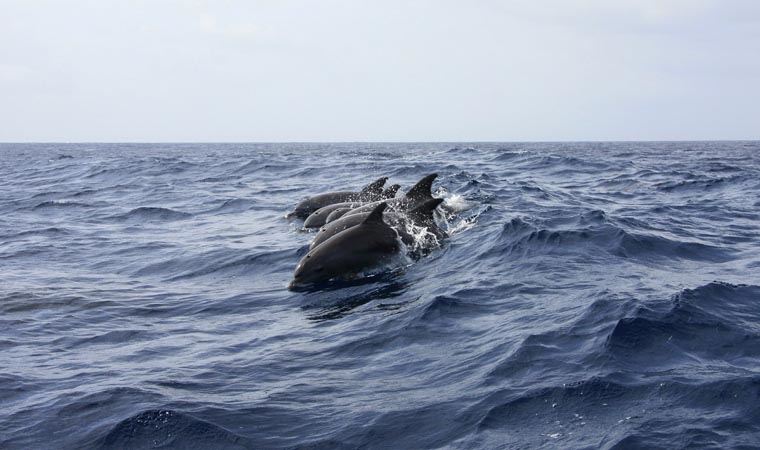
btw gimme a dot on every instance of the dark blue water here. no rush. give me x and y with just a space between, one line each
591 295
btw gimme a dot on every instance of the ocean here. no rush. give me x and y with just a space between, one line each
590 295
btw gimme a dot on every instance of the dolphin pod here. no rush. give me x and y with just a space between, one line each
363 230
421 215
322 215
417 194
370 192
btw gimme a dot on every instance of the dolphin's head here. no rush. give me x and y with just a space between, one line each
314 268
316 219
298 213
306 273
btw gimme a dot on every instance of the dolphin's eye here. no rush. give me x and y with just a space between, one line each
320 269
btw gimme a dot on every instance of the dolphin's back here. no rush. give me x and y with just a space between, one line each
307 206
336 226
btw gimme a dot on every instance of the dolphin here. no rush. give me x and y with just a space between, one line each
337 214
366 245
422 215
321 216
370 192
391 190
419 193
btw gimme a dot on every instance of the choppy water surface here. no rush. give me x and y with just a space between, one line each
603 294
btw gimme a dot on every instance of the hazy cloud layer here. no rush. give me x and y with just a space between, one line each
284 70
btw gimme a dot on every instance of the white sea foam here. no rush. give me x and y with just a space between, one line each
463 225
456 203
423 238
447 216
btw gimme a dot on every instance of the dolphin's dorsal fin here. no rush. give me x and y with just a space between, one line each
424 212
390 192
421 191
374 188
376 216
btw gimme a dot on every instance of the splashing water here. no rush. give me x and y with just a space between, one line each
424 240
455 203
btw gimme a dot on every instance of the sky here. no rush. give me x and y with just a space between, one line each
386 70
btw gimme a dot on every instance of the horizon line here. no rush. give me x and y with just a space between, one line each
391 142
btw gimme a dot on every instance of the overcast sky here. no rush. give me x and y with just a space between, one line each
386 70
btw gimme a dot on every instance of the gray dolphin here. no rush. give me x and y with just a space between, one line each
421 215
419 193
337 214
321 216
366 245
371 192
391 190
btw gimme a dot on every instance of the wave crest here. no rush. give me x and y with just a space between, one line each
522 238
717 322
151 213
166 428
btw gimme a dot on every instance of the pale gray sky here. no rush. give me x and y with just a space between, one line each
386 70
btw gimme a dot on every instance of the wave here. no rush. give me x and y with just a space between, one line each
561 162
62 204
461 150
232 206
99 172
151 213
222 262
115 337
255 166
163 166
575 348
715 322
519 237
443 308
508 155
577 396
25 302
344 297
712 325
170 429
48 194
260 263
702 183
86 192
49 231
610 412
218 179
